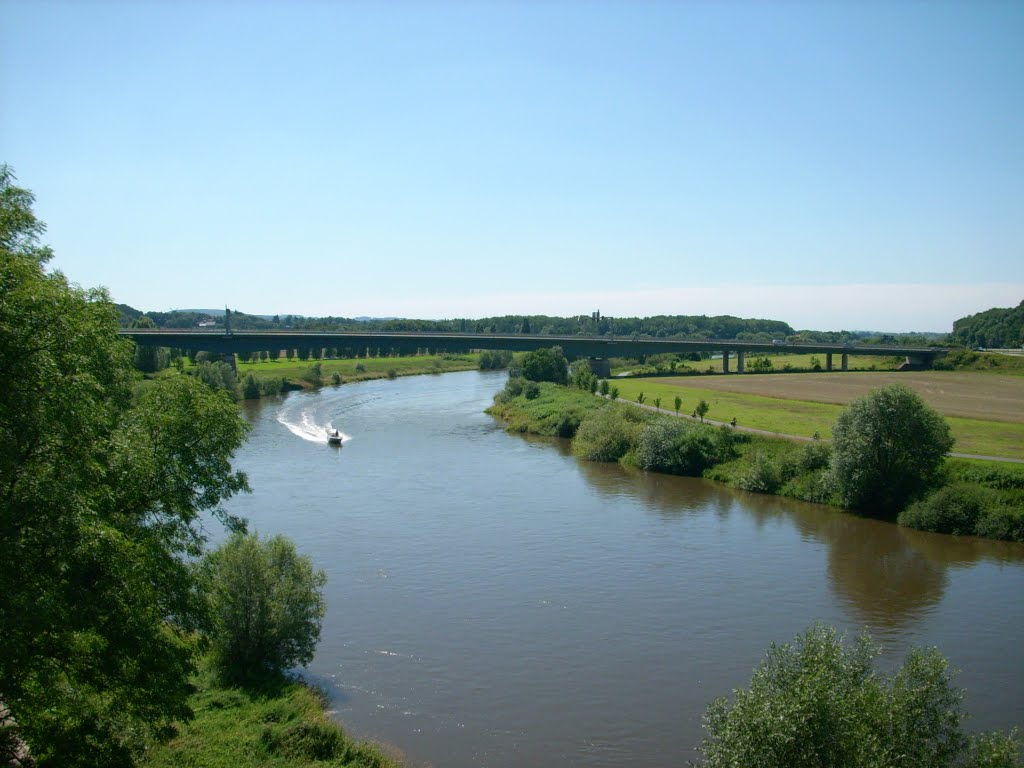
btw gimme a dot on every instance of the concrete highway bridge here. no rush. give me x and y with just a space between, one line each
596 348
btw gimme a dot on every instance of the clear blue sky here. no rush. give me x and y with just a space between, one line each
834 165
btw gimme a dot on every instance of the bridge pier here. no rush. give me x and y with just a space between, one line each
600 367
739 361
845 362
828 361
725 361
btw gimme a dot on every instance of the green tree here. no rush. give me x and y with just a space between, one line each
657 403
678 403
99 509
640 398
817 702
545 365
888 448
604 388
267 603
702 409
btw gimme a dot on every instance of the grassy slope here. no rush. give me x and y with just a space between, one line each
283 728
801 417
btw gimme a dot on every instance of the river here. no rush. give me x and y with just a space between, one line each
494 602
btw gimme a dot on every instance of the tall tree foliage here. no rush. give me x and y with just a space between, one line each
99 499
887 450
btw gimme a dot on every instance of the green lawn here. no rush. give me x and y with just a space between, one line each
804 418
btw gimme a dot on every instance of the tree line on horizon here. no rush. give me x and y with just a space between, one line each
657 326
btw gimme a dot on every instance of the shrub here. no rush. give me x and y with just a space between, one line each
266 603
677 447
955 509
1002 521
813 457
250 387
392 373
360 368
336 379
762 474
271 385
531 390
812 486
218 375
314 374
514 386
606 435
494 359
817 702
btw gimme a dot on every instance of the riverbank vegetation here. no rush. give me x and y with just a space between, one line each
887 459
282 724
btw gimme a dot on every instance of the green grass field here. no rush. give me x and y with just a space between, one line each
779 363
804 418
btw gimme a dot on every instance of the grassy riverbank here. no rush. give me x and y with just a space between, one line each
603 430
282 726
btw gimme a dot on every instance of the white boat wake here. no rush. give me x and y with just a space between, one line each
304 425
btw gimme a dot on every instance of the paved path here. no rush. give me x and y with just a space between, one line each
802 438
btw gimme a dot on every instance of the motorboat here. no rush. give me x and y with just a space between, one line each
334 438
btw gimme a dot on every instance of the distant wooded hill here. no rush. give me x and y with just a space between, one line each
994 328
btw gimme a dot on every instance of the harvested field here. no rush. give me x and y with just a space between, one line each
953 393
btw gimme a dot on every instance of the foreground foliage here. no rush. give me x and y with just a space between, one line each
818 702
282 725
100 495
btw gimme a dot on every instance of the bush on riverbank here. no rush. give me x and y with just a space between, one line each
678 447
964 509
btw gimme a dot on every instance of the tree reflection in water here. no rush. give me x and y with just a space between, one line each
889 577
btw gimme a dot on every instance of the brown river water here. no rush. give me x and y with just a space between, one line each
492 601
